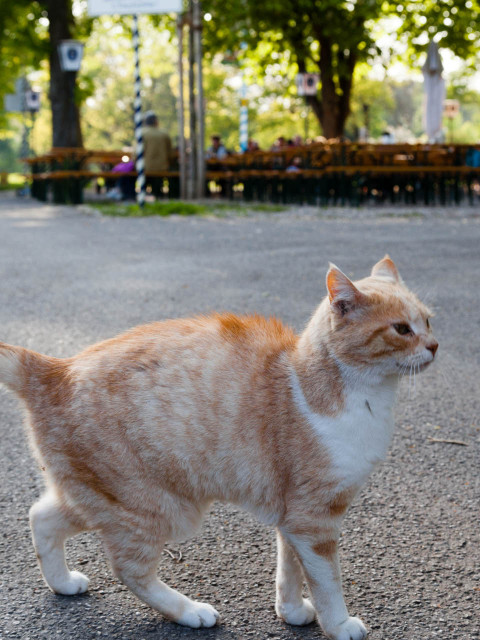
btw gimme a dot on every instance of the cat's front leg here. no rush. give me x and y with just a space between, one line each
319 557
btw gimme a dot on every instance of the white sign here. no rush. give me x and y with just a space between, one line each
131 7
32 100
71 53
451 108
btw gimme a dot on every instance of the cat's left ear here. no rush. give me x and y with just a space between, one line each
343 294
386 269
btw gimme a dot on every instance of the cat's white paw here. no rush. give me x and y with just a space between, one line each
198 614
76 583
295 614
351 629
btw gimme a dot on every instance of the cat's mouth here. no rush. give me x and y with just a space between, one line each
416 367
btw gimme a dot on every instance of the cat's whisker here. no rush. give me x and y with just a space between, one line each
410 381
405 370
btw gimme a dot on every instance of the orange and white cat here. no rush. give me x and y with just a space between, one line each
139 434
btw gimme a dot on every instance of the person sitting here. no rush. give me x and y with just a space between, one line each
295 165
252 145
280 143
217 149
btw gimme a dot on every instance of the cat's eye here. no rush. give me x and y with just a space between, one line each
428 323
402 329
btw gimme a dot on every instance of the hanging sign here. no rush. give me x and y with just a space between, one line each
70 53
32 100
131 7
307 84
451 108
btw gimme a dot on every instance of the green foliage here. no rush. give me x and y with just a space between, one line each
124 210
15 181
453 24
10 145
23 41
296 25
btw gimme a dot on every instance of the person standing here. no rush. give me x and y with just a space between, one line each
157 153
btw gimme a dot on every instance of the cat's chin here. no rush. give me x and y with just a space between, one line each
423 366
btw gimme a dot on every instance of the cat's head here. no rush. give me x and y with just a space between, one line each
377 323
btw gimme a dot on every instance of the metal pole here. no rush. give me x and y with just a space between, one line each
139 162
191 106
25 148
243 116
243 109
181 112
200 116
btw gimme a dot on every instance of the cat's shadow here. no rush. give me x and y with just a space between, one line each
153 627
165 630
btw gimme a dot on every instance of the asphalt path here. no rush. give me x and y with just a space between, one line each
410 546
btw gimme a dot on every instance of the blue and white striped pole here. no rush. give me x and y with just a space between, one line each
243 117
137 105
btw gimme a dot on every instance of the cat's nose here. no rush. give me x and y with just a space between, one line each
433 346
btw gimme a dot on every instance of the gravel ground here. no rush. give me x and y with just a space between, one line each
410 545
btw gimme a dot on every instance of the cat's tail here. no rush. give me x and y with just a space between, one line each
22 369
12 366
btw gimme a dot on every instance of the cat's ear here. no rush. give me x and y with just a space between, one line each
386 269
343 294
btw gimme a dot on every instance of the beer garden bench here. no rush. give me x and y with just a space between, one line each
337 173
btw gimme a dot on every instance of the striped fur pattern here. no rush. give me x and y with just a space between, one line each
138 435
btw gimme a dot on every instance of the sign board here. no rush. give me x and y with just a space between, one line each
307 84
132 7
13 103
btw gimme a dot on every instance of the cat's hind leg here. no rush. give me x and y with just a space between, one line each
134 555
290 604
52 523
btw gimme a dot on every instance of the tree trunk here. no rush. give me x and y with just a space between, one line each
332 108
66 130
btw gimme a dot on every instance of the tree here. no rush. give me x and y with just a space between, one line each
330 37
29 33
325 37
66 130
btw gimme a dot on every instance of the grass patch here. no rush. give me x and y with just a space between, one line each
180 208
267 208
400 214
131 210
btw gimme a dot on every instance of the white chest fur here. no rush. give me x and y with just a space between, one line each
358 438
